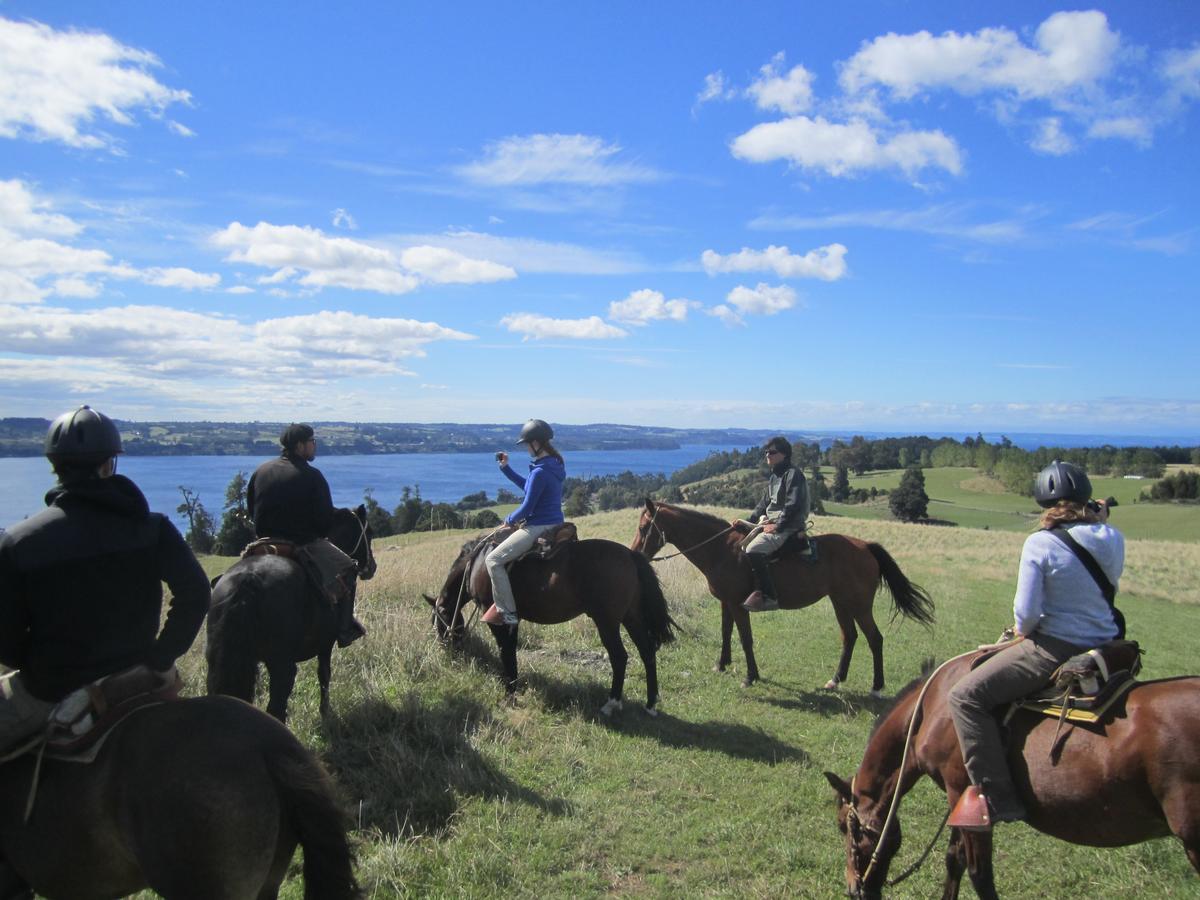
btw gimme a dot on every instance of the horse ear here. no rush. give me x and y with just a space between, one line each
361 512
842 788
649 506
429 600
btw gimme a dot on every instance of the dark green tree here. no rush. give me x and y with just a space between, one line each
909 502
378 519
236 528
841 485
200 534
577 504
485 518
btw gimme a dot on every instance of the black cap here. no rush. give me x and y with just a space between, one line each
84 436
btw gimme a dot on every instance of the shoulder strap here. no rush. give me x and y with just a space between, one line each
1089 563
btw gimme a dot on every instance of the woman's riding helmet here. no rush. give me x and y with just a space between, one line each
83 435
535 430
1061 481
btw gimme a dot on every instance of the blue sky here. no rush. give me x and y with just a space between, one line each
886 216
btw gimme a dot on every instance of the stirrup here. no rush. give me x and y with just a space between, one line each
971 812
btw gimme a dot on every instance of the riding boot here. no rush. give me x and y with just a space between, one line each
763 599
349 628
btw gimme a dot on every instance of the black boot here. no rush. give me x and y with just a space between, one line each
349 628
763 599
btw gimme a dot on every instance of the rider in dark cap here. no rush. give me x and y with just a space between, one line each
782 512
289 500
81 581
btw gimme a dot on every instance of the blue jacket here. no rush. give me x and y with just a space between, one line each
543 492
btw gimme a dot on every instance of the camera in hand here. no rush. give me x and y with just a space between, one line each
499 455
1110 502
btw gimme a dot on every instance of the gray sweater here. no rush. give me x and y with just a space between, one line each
1055 593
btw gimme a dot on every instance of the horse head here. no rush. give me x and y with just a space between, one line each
649 538
867 857
352 534
453 596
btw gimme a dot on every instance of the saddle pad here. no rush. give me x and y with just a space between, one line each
1090 715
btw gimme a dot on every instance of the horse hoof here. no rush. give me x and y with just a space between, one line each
831 684
613 705
877 694
748 682
652 711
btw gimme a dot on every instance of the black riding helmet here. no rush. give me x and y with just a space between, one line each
1062 481
535 430
83 436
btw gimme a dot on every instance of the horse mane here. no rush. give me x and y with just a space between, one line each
697 514
926 667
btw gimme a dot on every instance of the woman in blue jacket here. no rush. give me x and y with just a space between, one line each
540 511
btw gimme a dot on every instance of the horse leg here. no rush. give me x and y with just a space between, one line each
1182 810
849 637
282 674
956 864
875 641
637 632
978 852
323 674
506 640
726 656
610 636
741 619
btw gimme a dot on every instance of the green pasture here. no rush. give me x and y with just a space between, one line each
970 499
453 792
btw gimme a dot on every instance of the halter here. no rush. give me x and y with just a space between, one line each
362 538
462 589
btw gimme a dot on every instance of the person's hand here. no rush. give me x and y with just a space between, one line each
502 459
769 528
1103 511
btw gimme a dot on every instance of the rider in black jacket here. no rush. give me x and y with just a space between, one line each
81 581
289 499
782 512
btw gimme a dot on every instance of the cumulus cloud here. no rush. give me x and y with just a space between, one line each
21 212
155 341
1137 129
55 85
788 92
846 149
1051 139
646 306
315 260
716 87
538 327
1070 51
762 300
827 263
562 159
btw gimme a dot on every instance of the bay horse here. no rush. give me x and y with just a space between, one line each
847 570
1130 779
264 609
601 579
193 799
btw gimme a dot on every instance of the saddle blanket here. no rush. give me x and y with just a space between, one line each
1085 709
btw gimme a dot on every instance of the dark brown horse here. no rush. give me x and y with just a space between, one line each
600 579
1134 778
264 610
194 799
847 570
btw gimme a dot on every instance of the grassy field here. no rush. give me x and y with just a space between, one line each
455 793
967 498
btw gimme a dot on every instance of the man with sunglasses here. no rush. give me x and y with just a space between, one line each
781 513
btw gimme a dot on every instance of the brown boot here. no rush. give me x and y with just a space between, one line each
760 602
971 812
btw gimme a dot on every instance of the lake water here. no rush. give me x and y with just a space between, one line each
442 477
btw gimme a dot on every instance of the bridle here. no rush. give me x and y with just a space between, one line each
438 615
362 540
662 536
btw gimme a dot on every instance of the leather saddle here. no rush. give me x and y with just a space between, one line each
548 545
83 718
799 546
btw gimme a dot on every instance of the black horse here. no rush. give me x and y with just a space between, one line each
198 798
264 610
601 579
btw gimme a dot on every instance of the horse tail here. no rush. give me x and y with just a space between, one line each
910 599
655 615
230 648
310 805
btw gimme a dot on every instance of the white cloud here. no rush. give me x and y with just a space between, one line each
316 260
846 149
645 306
1051 139
570 159
186 279
21 212
343 219
762 300
827 263
76 287
240 289
716 87
725 314
790 93
531 325
943 219
54 85
1181 69
532 255
1137 129
180 129
1070 51
443 266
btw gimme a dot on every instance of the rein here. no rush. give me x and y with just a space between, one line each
887 822
462 589
663 535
